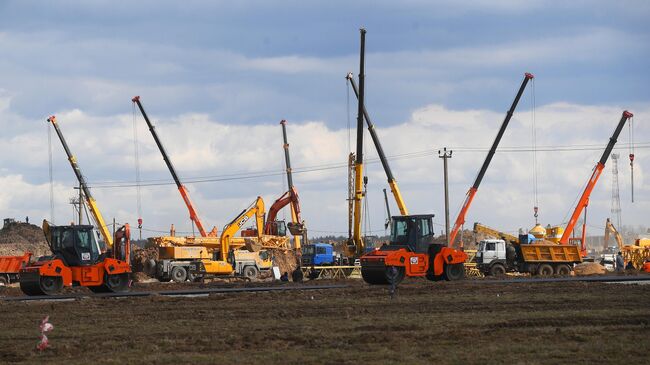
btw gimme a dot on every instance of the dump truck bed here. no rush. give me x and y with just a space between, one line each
12 264
550 253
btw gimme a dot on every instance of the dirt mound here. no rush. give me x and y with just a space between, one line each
141 256
17 238
140 277
285 260
589 268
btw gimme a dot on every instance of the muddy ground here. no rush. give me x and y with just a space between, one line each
467 322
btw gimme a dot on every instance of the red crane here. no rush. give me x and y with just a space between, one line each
584 199
181 188
460 220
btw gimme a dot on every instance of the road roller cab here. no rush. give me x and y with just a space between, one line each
412 251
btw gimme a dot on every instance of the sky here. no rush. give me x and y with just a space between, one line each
217 77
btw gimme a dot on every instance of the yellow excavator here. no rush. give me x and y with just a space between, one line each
638 253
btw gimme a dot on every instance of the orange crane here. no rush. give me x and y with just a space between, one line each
460 220
296 227
584 199
181 188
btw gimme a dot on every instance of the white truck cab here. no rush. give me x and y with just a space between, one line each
490 250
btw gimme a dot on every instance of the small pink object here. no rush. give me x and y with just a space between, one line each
45 327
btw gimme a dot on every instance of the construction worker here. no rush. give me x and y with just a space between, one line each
620 263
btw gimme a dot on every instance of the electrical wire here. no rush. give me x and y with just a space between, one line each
334 166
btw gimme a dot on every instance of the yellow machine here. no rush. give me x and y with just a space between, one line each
637 253
481 229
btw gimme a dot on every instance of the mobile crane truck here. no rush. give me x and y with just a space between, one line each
77 258
495 257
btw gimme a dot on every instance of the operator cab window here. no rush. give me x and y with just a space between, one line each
491 246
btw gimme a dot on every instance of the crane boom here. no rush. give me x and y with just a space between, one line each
90 201
394 188
355 243
181 188
598 169
460 220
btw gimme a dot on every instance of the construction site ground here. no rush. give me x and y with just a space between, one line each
472 321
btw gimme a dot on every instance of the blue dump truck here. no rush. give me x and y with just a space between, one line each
318 254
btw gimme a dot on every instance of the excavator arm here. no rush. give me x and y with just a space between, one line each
460 220
584 198
181 188
90 201
255 210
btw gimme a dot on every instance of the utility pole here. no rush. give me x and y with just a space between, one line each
444 155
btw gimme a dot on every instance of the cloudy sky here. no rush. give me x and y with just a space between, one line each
217 77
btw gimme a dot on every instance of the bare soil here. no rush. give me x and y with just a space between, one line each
17 238
468 322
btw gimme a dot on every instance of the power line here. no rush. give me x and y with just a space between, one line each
334 166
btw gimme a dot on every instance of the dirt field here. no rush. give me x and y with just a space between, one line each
455 323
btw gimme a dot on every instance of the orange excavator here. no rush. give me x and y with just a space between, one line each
584 198
411 250
290 197
77 257
460 220
181 188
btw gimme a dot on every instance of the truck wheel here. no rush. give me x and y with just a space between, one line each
497 270
3 280
454 271
179 274
545 270
250 272
563 270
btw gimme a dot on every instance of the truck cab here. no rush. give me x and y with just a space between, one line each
318 254
490 251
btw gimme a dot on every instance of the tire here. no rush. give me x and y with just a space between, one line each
454 272
117 283
250 272
51 285
395 274
3 280
178 274
545 270
497 270
563 270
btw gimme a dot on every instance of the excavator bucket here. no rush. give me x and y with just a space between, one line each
296 229
252 245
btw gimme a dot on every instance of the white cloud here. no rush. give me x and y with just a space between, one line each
202 147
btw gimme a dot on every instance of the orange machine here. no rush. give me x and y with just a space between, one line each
77 257
584 199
